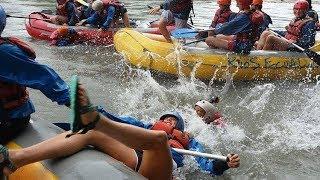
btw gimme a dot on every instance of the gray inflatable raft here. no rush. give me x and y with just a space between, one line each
88 164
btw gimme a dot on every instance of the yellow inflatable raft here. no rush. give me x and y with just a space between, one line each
151 52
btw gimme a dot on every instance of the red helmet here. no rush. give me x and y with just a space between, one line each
224 2
245 4
301 4
257 2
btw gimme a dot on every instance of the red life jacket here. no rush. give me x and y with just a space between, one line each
115 3
62 11
177 139
216 115
295 27
68 34
180 6
256 18
221 16
13 95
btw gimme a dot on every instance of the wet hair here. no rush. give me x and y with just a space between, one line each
214 100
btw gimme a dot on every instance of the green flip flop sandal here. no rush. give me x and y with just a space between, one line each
77 110
5 161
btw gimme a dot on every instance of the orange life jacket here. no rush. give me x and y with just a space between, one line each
177 139
180 6
69 34
221 16
256 19
295 27
13 95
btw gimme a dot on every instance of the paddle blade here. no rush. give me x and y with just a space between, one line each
313 56
83 2
184 33
64 126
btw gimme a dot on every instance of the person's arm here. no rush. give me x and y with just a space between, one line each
125 119
18 69
91 20
215 167
111 12
72 16
308 35
240 23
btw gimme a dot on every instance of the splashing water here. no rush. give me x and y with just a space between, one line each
258 97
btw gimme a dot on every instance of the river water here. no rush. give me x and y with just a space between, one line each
274 126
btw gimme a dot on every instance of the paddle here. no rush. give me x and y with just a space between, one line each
23 17
191 42
83 2
187 33
67 127
311 54
206 155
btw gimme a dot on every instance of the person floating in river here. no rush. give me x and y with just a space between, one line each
208 112
240 33
144 147
65 36
301 31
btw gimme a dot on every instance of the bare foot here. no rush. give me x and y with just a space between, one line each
84 101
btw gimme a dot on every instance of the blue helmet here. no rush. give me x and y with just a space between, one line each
3 19
180 123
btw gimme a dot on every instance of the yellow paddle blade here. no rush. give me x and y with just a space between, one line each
83 2
316 47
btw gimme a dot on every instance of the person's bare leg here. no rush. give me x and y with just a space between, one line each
275 43
262 39
58 19
163 29
60 146
218 41
157 161
125 19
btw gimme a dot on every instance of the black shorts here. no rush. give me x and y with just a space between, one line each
10 128
139 156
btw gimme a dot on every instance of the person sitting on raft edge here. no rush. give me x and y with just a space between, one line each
257 6
144 147
107 13
222 15
173 10
19 70
301 31
66 13
239 34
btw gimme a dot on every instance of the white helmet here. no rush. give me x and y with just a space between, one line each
207 107
97 5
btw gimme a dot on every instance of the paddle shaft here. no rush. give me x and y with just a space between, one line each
199 40
206 155
311 54
300 48
22 17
